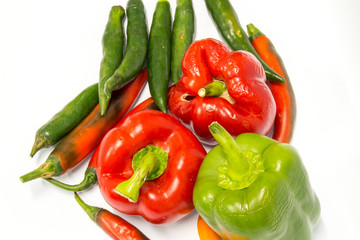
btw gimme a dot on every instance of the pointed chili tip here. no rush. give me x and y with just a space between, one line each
162 106
40 142
104 103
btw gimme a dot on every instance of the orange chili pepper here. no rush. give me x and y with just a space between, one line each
282 92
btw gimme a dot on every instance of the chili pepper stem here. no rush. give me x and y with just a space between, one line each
240 168
40 142
90 210
52 167
214 89
253 31
131 187
89 179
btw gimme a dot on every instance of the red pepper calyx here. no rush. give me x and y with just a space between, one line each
148 164
240 168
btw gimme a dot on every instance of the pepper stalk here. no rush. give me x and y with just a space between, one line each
240 168
148 164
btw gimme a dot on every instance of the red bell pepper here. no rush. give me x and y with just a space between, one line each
166 157
238 98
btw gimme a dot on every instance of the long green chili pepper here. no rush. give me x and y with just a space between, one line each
182 36
66 119
228 24
159 54
135 53
112 45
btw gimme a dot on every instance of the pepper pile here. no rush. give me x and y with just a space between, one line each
153 163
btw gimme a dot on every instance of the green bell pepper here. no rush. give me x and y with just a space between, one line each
253 187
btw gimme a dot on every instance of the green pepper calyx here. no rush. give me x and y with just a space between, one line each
148 164
240 168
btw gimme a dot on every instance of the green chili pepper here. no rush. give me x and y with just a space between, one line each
135 53
66 119
182 36
159 54
228 24
112 44
256 188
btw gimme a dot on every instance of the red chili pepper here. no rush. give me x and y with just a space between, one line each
246 105
164 153
81 141
90 173
283 92
114 225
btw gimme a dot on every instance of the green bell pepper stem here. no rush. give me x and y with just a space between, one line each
214 89
148 164
240 168
230 148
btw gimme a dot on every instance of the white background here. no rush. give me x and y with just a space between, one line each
50 51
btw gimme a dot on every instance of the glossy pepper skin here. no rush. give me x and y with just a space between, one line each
164 199
246 106
255 188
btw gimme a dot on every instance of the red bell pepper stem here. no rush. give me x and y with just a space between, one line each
283 92
130 188
117 227
214 89
148 164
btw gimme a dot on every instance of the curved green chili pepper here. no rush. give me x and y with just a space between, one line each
112 43
135 53
159 54
228 24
